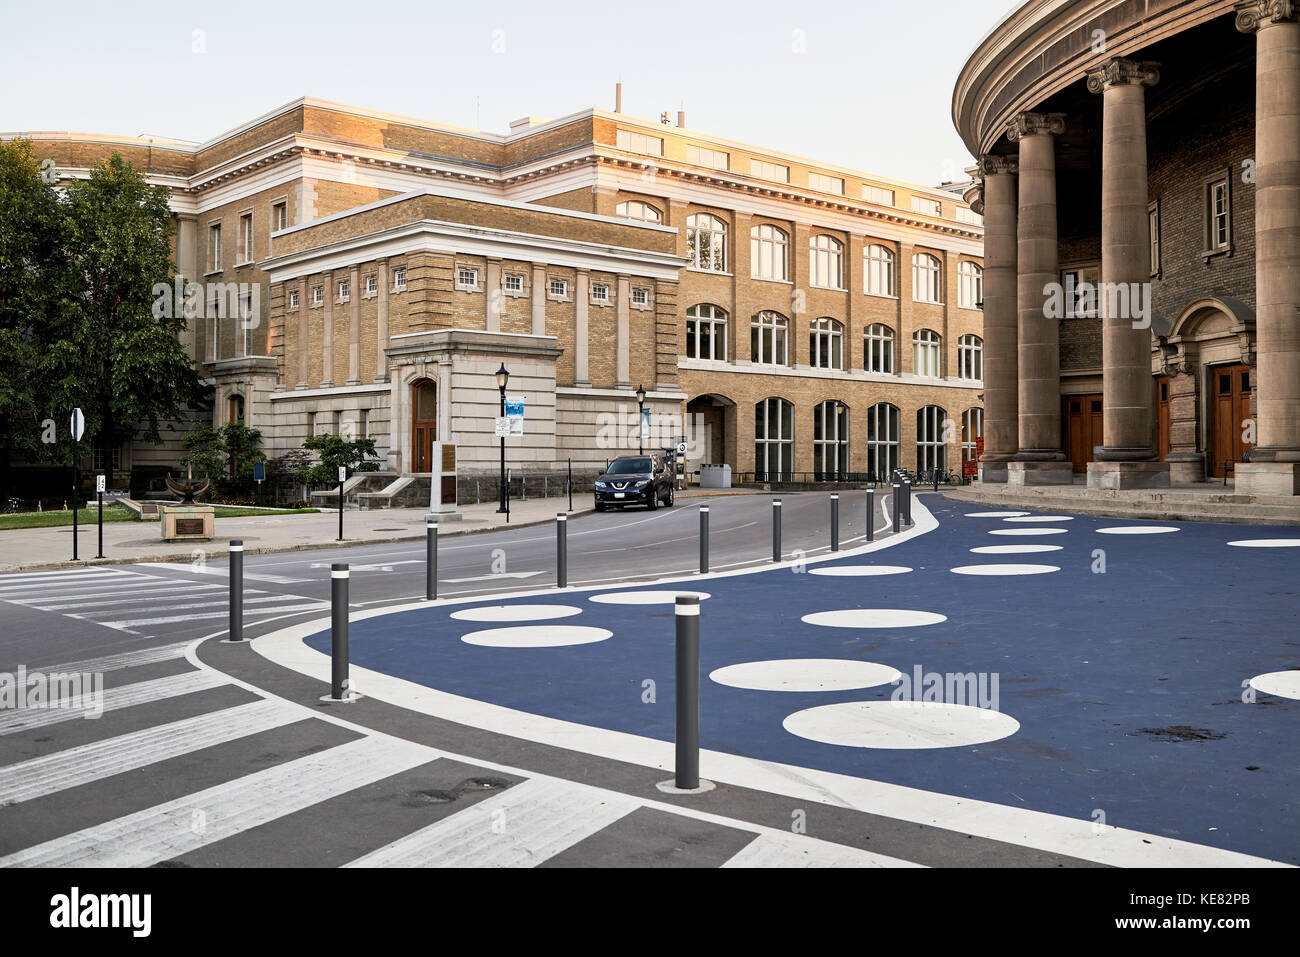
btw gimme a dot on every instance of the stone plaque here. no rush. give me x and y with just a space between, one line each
189 526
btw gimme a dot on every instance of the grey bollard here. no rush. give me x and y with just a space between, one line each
687 692
236 590
561 550
871 514
907 501
835 522
339 684
898 507
776 529
431 558
704 539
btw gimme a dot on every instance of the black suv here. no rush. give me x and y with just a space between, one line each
635 480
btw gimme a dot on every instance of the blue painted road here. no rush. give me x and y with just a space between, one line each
1127 684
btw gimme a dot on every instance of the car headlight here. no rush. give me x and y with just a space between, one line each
642 484
601 485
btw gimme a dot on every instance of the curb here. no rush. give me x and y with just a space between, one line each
276 549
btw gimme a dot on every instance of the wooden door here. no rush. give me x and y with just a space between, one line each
1230 388
1082 428
1162 416
424 427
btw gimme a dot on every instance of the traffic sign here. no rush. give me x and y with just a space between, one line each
78 425
343 473
502 426
101 483
259 471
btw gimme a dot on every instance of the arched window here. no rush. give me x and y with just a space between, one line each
826 344
970 357
882 440
235 409
769 340
878 262
706 332
830 440
972 429
878 348
424 424
773 440
706 242
930 447
767 252
925 353
827 266
970 285
926 279
642 212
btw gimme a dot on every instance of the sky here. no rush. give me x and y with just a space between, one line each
864 84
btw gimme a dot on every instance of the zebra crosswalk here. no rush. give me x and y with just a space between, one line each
138 603
366 799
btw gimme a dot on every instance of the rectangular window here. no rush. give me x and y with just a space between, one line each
399 280
466 279
640 143
317 295
246 238
826 184
967 215
1218 215
640 297
514 282
372 285
931 207
559 288
881 197
599 292
293 298
1153 236
773 171
1080 287
714 159
345 290
214 247
280 215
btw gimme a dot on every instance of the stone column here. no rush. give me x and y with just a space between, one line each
1126 457
1274 468
304 333
539 299
623 336
1001 336
354 326
381 324
1039 460
327 336
581 305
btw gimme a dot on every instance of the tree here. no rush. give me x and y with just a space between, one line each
31 255
335 451
225 455
113 357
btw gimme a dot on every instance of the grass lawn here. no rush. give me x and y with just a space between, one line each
85 516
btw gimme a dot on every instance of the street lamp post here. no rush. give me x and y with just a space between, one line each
640 417
503 376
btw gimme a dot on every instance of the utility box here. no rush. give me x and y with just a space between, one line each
715 476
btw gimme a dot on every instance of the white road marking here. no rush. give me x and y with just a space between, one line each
123 659
166 830
223 572
128 624
520 827
193 591
774 849
493 577
126 696
74 767
171 587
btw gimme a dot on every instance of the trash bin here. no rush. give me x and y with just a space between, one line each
715 476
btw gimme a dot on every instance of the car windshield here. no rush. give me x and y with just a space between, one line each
629 466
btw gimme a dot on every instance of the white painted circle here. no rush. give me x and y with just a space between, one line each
1267 543
1028 531
900 724
994 514
873 618
515 612
851 571
1138 529
646 597
1040 518
805 674
1007 569
1284 684
536 636
1015 549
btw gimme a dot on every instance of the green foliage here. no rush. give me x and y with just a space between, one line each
225 456
334 451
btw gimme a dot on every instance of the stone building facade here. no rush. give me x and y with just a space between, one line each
367 273
1148 149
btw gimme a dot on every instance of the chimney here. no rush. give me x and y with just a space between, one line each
618 97
681 118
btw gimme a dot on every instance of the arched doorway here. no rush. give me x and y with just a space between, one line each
710 431
424 424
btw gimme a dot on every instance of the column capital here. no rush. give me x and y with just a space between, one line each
1122 71
1255 14
991 165
1027 124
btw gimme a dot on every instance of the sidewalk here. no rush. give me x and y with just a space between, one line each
124 542
30 548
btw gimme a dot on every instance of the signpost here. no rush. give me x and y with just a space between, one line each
343 477
100 482
259 476
680 468
78 426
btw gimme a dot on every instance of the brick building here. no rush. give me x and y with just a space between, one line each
1147 148
366 272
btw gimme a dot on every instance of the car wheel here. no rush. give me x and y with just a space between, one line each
669 501
652 502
